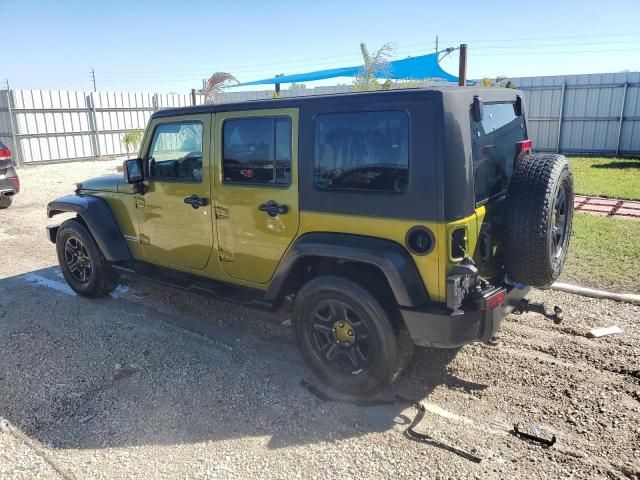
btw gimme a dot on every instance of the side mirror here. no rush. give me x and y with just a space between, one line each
477 108
133 170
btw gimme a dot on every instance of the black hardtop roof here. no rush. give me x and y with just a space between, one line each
292 102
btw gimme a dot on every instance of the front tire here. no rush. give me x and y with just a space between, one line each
82 263
347 337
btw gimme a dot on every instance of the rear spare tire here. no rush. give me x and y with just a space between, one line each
538 219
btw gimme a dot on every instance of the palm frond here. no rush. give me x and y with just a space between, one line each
376 65
215 85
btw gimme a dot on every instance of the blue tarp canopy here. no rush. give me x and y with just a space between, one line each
424 66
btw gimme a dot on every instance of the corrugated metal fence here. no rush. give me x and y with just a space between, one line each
584 114
53 126
577 114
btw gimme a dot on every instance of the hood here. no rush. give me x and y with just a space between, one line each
106 183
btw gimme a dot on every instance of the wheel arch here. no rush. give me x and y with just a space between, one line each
320 253
99 220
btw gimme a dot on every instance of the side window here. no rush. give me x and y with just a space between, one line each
362 151
257 151
176 152
494 146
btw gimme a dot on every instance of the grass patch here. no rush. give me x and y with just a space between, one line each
607 177
604 253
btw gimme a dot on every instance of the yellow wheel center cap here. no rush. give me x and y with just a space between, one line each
343 332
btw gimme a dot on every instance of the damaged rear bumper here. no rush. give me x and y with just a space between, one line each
437 326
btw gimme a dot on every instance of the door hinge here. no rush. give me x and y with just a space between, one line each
139 202
225 256
144 240
222 212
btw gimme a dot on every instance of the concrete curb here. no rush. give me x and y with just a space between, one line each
592 292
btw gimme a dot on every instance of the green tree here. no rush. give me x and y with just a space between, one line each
375 65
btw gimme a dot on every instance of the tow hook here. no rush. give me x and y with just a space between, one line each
538 307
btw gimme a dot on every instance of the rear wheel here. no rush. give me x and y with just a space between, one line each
347 337
539 219
82 263
5 202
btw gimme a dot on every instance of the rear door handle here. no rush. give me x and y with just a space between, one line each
196 202
273 209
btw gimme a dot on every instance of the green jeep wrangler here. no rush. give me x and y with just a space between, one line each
384 219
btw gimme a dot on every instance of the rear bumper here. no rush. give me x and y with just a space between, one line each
437 327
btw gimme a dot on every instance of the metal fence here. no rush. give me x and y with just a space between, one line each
54 126
584 114
577 114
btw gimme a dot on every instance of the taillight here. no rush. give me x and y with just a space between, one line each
525 146
5 153
16 182
458 243
493 300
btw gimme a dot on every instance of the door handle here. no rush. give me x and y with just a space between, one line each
196 202
273 209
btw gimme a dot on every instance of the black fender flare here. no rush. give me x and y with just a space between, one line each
391 258
100 221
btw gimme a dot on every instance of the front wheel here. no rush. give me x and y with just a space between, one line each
82 263
347 337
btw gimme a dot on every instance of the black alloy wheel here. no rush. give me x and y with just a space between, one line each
351 339
559 221
82 263
77 258
341 336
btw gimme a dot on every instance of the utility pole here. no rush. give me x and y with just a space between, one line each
193 97
93 78
6 81
436 43
462 67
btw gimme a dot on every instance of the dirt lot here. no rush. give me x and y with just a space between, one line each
159 383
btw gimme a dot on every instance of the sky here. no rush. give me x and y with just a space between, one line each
170 46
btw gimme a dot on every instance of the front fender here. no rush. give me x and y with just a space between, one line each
100 221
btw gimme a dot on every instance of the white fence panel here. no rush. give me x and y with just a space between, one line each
578 114
584 114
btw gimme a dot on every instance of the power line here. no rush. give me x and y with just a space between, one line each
177 74
400 49
510 40
568 52
248 70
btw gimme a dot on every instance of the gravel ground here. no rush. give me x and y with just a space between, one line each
159 383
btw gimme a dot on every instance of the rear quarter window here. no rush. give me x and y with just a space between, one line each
367 151
494 143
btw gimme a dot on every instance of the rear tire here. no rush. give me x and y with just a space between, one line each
82 263
5 202
326 310
539 219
